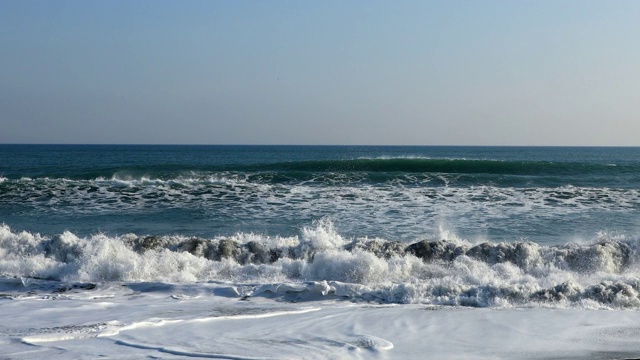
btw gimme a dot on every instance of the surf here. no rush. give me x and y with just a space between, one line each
320 262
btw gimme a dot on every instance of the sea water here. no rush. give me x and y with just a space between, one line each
446 227
545 195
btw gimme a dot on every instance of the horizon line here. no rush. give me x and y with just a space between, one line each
316 145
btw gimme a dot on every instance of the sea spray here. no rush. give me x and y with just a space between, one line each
602 273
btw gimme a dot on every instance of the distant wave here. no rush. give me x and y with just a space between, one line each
435 165
412 165
447 271
410 171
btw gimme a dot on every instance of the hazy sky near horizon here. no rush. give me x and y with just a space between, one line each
325 72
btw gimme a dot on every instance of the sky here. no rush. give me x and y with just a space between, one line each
320 72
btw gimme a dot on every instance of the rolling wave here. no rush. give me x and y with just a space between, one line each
368 165
434 165
447 271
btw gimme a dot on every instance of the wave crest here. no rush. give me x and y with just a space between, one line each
603 273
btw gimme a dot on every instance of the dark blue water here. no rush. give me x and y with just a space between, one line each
547 195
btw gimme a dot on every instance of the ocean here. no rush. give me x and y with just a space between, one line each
174 237
496 194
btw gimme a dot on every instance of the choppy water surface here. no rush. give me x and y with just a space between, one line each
445 225
547 195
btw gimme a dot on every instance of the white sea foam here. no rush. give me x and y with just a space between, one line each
450 271
144 321
407 207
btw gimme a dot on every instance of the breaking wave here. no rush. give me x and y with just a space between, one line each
603 273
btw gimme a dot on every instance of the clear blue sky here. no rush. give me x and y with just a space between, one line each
325 72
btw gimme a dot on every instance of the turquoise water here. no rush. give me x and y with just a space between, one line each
499 194
461 226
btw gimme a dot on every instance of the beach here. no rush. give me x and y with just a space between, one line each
208 321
